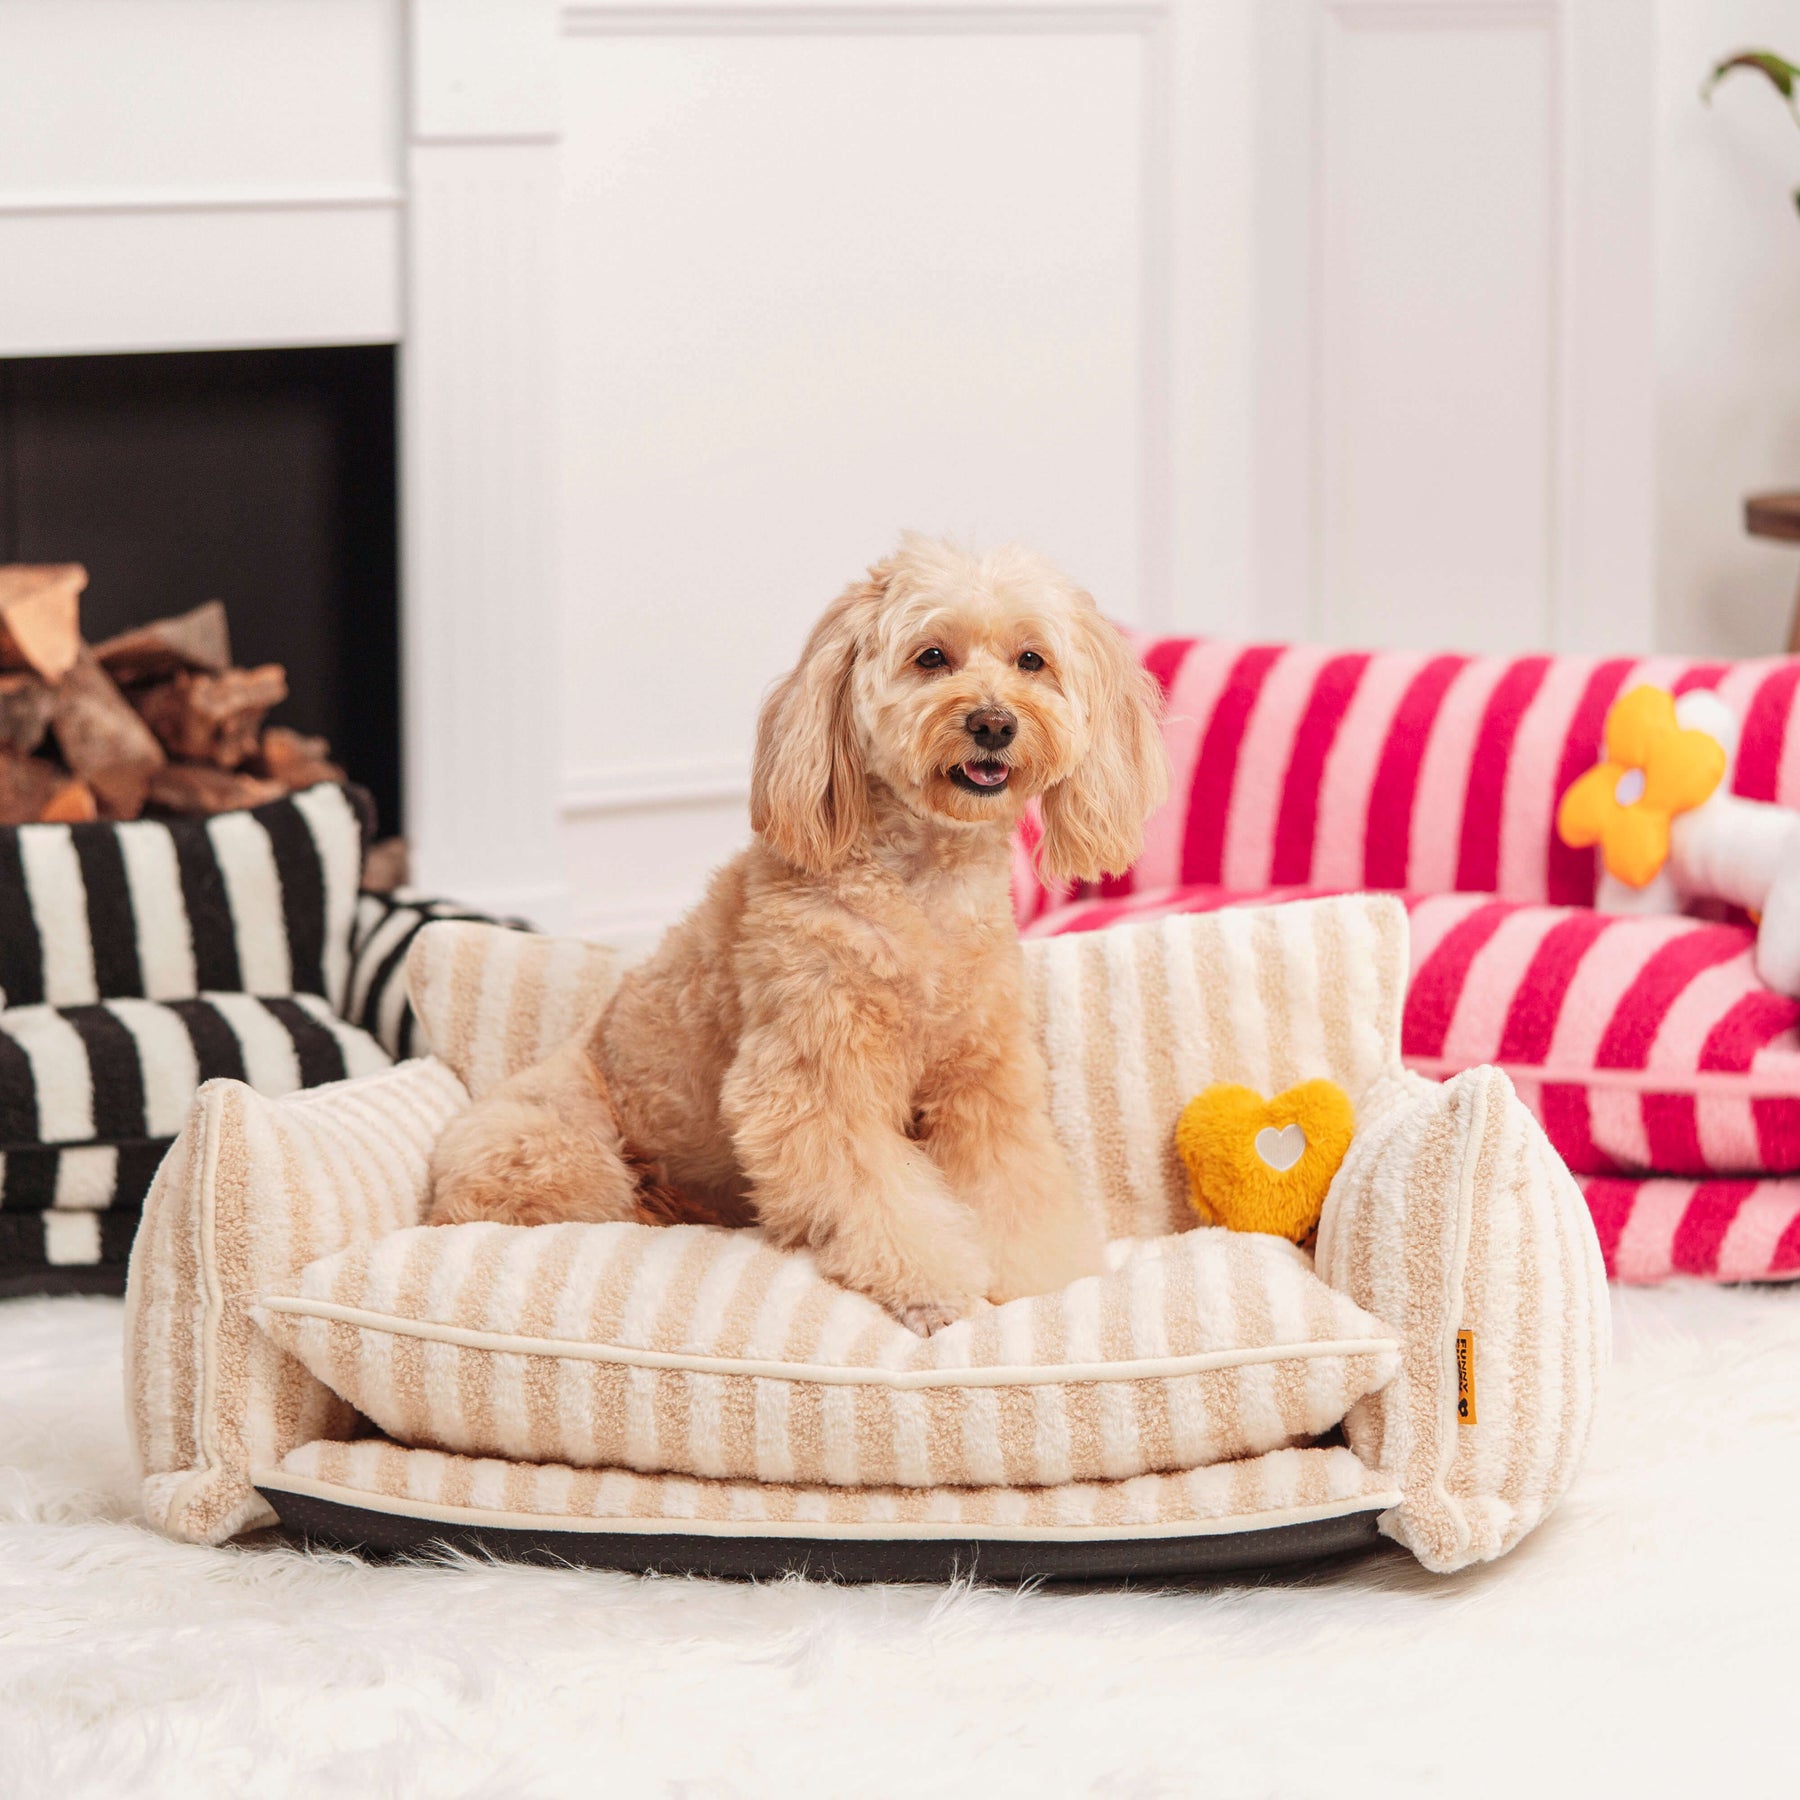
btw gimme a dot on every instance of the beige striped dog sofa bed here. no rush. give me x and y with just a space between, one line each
302 1350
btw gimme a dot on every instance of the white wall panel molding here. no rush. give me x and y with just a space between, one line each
838 18
197 272
1455 370
181 175
347 197
635 787
793 325
479 645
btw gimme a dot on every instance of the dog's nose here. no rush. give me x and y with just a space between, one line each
992 727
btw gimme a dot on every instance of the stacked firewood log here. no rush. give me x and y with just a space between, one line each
157 719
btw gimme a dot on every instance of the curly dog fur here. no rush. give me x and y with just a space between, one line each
835 1043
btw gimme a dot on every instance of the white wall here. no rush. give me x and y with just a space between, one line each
1456 321
1728 328
819 286
1266 317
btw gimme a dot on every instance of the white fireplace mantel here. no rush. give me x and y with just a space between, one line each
192 175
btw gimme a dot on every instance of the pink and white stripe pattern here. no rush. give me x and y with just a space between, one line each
1296 766
1663 1071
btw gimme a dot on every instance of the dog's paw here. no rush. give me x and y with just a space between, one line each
933 1315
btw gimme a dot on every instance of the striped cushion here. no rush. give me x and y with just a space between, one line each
692 1350
1702 1062
381 938
91 1096
125 1071
1654 1228
1452 1215
253 1189
492 1002
1305 766
253 902
1282 1488
75 1252
1643 1044
1137 1021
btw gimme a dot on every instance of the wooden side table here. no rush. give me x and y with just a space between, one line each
1777 516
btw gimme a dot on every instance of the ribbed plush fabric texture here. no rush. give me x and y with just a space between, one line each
1135 1022
1282 1488
1454 1217
1641 1043
1634 1041
693 1350
252 1190
254 902
92 1096
1451 1214
1646 1047
381 938
1303 765
493 1001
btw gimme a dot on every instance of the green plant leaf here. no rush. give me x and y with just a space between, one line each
1780 74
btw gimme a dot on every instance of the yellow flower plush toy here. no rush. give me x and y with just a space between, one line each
1672 833
1654 769
1264 1165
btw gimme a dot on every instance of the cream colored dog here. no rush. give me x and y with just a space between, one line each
836 1043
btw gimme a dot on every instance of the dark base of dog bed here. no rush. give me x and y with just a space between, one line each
334 1525
69 1278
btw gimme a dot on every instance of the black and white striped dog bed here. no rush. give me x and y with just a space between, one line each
139 960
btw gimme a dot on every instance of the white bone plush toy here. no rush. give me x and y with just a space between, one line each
1670 830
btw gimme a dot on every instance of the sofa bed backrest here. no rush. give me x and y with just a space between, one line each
1304 766
1138 1020
1134 1022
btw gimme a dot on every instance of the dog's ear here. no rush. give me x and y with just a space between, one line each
1094 819
808 789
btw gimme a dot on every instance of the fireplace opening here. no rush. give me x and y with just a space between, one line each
263 478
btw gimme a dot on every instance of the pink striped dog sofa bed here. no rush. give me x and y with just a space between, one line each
1661 1068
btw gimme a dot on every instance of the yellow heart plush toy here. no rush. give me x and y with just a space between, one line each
1264 1165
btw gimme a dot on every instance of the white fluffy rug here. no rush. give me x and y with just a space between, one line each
1646 1641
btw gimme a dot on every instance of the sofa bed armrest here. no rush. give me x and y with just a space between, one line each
1454 1220
252 1191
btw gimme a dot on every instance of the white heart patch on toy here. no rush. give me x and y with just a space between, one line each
1281 1149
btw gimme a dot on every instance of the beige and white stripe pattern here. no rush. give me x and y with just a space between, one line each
692 1350
1134 1022
1453 1215
493 1001
1285 1487
1138 1020
252 1190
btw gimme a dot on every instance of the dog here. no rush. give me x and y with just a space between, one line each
836 1044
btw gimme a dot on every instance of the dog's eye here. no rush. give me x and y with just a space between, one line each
933 658
1030 662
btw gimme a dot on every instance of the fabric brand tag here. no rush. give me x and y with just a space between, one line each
1465 1378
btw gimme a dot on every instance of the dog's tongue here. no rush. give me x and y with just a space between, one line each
986 774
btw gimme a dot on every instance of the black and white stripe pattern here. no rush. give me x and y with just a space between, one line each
124 1071
385 927
91 1096
68 1251
255 902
